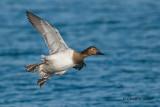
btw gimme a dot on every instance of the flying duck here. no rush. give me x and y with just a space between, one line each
61 58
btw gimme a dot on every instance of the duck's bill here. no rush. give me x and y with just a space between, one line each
100 53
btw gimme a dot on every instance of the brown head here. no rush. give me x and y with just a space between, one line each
91 51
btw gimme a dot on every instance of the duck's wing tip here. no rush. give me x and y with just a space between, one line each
51 35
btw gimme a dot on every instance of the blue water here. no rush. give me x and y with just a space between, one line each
128 31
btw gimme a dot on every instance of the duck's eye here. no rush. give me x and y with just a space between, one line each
92 48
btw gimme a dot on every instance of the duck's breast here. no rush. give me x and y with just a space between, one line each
61 61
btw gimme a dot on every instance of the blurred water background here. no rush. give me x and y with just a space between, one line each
128 31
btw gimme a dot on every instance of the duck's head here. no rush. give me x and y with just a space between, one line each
91 51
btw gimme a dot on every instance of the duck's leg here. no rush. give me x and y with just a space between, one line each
41 81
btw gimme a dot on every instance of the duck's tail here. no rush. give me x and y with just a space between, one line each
33 67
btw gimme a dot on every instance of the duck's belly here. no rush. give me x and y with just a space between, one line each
61 61
61 65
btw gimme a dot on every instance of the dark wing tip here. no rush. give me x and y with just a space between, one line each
28 13
35 21
31 16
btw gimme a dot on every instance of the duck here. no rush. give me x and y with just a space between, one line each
61 58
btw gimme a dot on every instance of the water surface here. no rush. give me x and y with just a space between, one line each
128 31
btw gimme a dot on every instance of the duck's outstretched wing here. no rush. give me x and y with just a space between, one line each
51 35
80 66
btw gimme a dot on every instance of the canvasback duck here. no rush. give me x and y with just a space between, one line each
61 58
